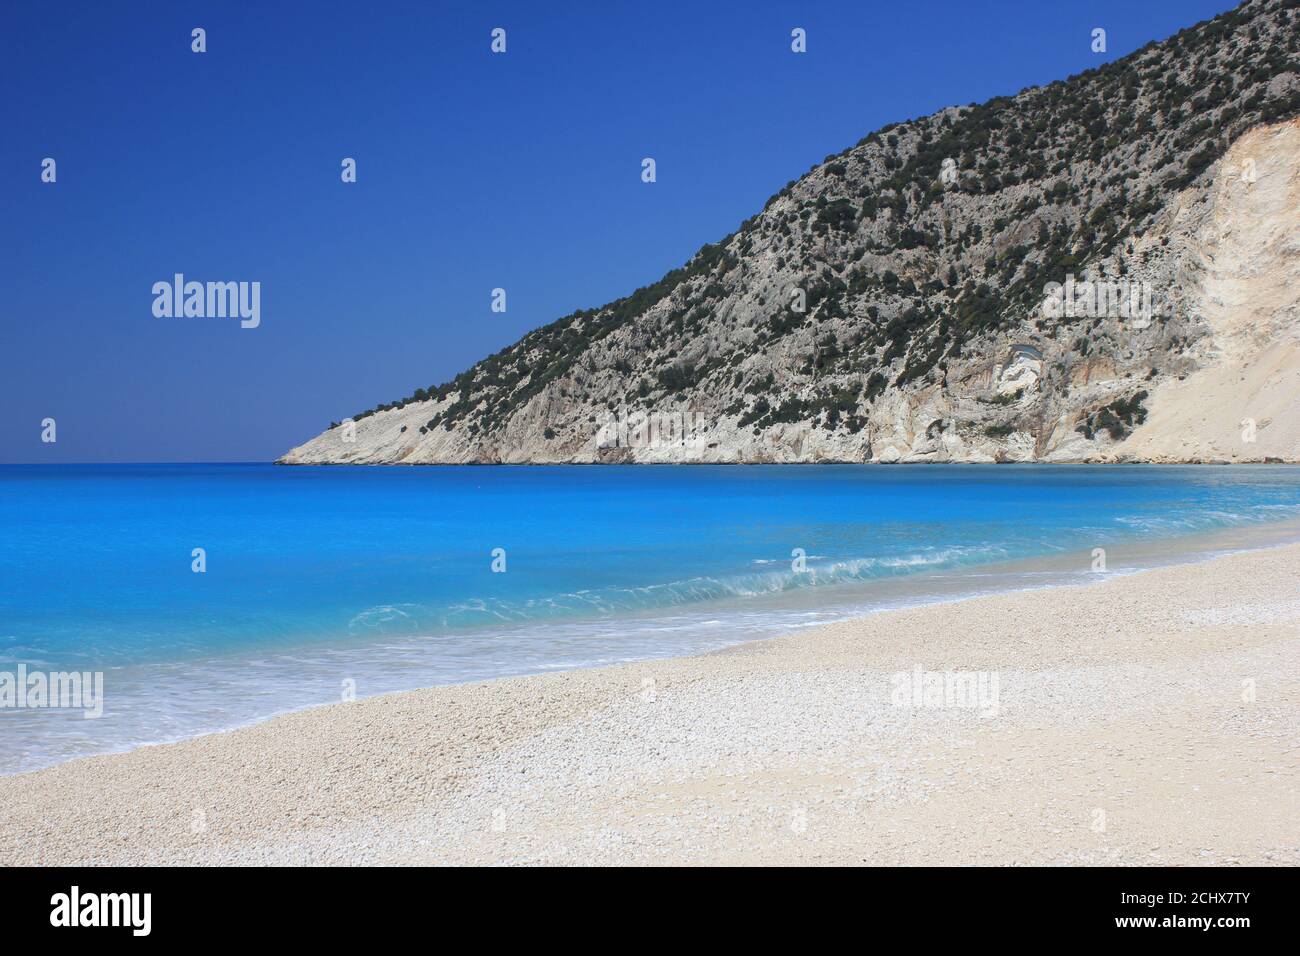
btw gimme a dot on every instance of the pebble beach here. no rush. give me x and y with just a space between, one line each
1149 718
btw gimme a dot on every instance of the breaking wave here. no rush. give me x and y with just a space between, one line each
695 590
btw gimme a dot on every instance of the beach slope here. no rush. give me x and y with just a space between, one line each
1151 718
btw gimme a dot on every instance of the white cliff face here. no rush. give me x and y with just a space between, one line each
1020 374
1242 402
876 312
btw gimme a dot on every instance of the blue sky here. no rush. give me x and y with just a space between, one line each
475 171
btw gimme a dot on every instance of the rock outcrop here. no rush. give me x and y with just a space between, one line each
1103 269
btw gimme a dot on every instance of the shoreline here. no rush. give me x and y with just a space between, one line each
837 603
651 756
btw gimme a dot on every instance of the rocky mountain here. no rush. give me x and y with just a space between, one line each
1106 268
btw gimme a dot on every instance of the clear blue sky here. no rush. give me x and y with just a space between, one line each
474 171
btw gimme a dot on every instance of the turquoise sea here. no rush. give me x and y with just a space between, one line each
383 577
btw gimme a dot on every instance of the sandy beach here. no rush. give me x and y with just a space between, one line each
1150 718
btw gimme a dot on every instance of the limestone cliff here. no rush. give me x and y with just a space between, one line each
1103 269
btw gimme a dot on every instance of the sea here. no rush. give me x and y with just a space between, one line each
209 596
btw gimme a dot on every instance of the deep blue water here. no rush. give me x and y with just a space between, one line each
384 575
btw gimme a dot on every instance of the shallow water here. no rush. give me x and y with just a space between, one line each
383 576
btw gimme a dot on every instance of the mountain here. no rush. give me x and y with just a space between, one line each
1106 268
